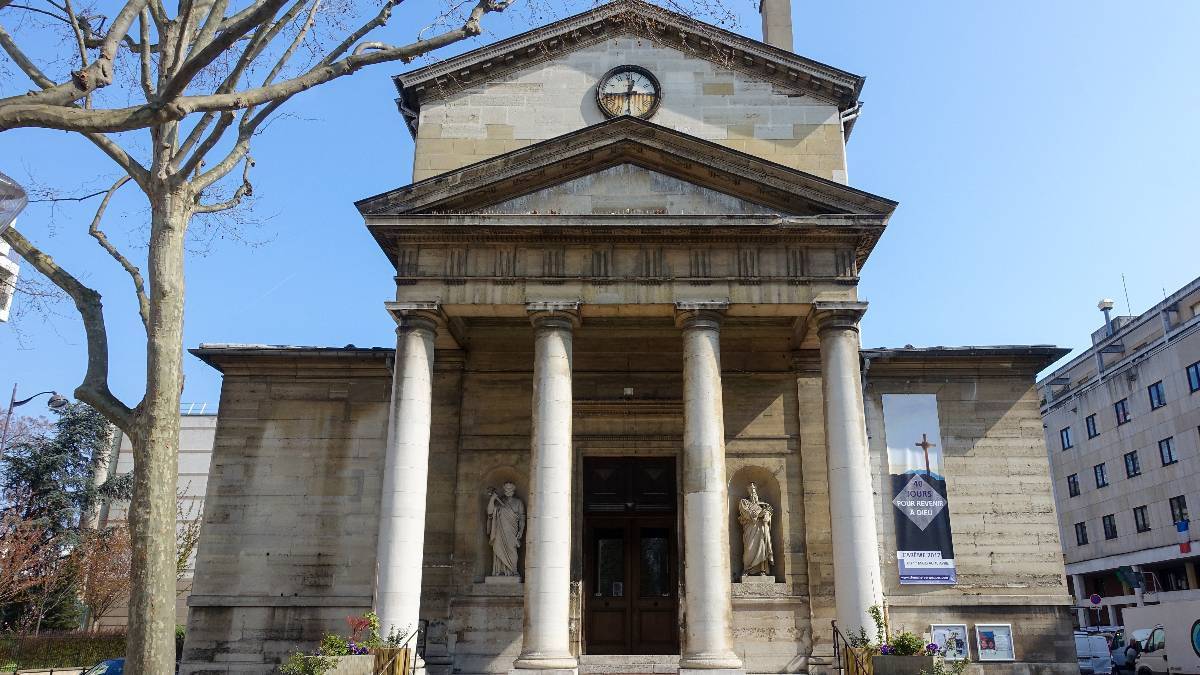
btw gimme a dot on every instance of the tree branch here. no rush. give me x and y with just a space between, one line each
264 10
94 388
97 74
23 62
139 284
244 190
147 69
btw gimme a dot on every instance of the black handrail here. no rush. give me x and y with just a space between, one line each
844 655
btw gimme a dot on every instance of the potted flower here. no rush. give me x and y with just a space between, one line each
338 655
904 654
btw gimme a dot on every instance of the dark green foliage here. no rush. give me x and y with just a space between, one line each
49 478
118 488
59 650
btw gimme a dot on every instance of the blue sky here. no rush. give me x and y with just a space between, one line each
1038 151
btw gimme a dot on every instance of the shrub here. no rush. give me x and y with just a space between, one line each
334 645
907 644
300 663
60 650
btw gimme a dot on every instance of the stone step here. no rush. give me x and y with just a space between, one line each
628 664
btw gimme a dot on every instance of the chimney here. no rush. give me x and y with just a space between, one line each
1106 306
777 23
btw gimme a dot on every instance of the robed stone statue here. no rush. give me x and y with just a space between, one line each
755 518
505 526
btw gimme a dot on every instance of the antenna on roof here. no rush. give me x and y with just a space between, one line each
1128 308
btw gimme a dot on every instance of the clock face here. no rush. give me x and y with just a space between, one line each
628 90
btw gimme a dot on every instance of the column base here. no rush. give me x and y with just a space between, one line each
712 671
546 665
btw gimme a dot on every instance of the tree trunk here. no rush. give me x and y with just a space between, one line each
151 641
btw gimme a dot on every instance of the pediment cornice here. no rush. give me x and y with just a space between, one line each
626 140
785 69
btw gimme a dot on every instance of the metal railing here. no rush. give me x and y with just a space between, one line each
194 409
845 658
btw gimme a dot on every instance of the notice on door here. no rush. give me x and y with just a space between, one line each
924 546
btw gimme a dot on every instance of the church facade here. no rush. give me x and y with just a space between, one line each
628 425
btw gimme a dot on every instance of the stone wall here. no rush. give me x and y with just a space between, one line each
699 98
1005 532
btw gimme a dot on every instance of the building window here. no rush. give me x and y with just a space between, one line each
1193 373
1158 395
1133 466
1081 534
1101 475
1073 485
1174 579
1091 426
1166 451
1110 526
1122 409
1179 509
1064 437
1140 520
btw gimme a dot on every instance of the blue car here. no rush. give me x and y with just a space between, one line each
109 667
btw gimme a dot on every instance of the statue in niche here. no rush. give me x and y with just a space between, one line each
505 526
754 516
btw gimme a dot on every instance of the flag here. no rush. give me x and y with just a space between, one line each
1183 536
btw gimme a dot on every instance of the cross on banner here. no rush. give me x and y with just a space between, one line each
926 445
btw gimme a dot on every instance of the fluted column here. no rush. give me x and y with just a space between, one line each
547 635
401 546
856 579
708 605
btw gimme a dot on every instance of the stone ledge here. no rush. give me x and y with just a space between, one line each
761 589
494 590
350 601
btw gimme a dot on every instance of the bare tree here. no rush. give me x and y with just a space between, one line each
24 555
206 78
102 563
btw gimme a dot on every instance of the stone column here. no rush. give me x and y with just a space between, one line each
401 545
856 578
1081 596
708 604
1112 616
547 636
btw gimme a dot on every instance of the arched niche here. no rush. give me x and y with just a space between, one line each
496 478
768 491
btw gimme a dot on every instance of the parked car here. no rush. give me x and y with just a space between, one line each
1093 654
109 667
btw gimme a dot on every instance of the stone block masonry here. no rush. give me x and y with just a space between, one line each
699 98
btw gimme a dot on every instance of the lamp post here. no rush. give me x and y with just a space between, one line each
56 402
12 201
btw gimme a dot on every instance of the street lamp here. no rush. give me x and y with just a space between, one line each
57 402
12 201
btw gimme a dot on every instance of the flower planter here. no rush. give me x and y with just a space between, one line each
353 665
890 664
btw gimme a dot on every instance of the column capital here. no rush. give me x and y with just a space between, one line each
706 314
415 316
840 315
554 314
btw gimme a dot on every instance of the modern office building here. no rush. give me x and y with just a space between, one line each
1122 424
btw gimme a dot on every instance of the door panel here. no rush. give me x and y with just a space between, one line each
631 603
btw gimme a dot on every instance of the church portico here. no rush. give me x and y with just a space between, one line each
627 425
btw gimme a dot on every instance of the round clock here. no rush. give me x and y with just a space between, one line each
628 90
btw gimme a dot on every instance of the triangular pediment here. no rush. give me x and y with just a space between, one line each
718 176
788 71
628 189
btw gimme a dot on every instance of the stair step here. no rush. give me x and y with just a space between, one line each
629 664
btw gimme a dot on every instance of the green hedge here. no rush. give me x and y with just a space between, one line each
59 650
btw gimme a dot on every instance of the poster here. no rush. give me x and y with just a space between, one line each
995 642
952 638
924 546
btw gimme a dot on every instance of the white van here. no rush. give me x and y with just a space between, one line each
1093 654
1174 643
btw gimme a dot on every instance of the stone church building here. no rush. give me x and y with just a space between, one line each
626 294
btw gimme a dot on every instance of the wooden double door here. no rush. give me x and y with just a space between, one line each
631 583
